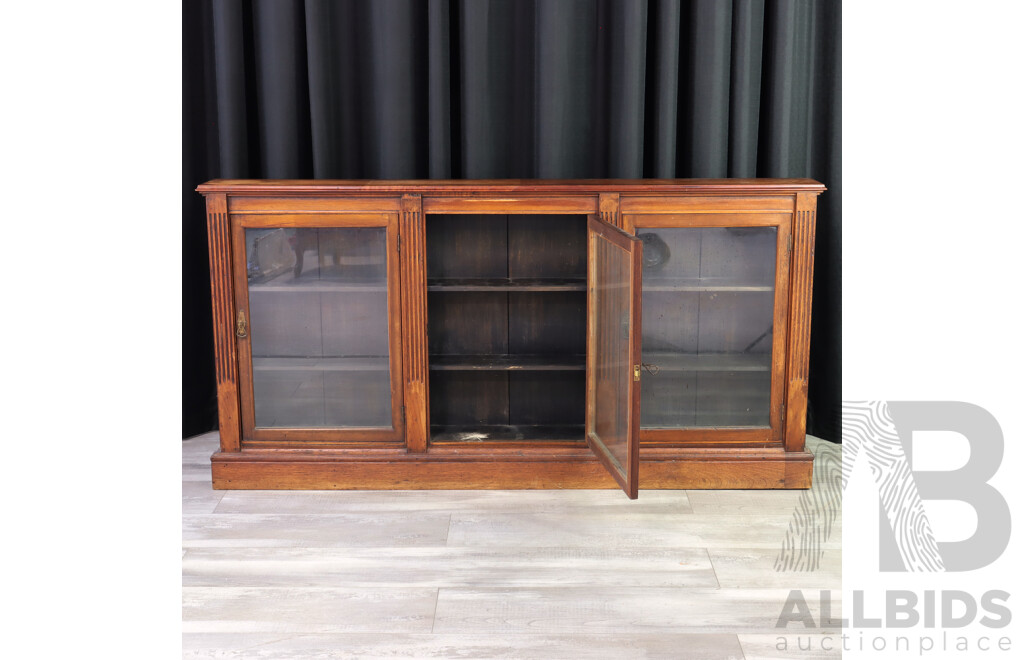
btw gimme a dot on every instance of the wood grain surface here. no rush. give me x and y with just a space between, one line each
497 268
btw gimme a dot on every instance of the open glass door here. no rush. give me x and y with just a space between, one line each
613 350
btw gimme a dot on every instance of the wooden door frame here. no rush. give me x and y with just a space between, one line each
628 479
290 437
770 216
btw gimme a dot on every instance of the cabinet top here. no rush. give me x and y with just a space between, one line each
462 186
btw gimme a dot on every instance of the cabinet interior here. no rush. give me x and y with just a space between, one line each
506 309
707 327
318 322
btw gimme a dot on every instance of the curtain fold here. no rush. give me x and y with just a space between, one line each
745 86
439 90
282 89
662 92
229 69
493 63
624 91
519 89
706 151
564 101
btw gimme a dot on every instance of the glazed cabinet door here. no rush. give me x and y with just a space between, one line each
318 328
613 351
715 296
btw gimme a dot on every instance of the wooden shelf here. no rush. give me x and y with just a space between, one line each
737 419
318 286
708 362
362 363
508 362
324 281
703 285
497 433
507 284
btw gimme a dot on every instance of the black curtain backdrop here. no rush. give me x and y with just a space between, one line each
439 89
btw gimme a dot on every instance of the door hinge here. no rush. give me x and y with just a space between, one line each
789 245
636 373
399 243
403 414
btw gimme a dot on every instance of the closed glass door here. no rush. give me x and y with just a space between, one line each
317 328
713 325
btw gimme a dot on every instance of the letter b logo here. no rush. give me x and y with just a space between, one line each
883 432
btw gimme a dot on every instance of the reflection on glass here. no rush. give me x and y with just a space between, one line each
319 327
709 296
611 325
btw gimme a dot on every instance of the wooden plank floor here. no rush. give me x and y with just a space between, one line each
497 574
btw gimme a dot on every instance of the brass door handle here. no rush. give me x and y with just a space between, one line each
241 327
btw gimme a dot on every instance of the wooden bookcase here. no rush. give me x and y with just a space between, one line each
512 333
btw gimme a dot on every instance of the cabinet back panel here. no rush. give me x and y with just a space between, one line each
670 321
461 246
547 246
468 397
733 398
545 323
745 254
357 398
286 323
299 324
547 398
307 398
354 323
716 322
467 323
289 398
668 399
736 322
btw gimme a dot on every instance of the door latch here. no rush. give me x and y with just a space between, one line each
241 327
636 373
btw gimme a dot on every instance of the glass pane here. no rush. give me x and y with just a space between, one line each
318 307
611 307
709 295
